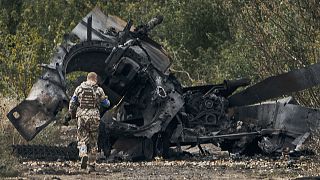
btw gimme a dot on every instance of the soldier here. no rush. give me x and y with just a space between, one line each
84 104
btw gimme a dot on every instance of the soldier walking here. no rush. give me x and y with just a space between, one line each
85 104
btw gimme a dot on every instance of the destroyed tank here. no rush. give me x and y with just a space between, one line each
151 111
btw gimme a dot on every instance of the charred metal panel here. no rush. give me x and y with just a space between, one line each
156 117
39 109
100 24
276 86
45 99
29 118
289 117
88 57
159 59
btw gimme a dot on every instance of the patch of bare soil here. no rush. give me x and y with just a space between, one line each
192 168
217 165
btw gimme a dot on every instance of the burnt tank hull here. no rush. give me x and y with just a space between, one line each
149 105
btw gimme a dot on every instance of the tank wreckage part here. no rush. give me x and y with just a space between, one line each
123 67
152 109
277 86
44 101
47 153
293 120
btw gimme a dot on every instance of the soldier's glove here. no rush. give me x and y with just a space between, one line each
67 118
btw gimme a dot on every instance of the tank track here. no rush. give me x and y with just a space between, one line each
46 153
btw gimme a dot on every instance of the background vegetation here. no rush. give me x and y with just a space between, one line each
208 40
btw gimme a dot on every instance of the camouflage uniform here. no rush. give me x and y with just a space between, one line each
86 100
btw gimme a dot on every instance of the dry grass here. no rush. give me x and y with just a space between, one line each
313 143
10 136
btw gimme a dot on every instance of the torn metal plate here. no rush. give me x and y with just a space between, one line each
276 86
292 118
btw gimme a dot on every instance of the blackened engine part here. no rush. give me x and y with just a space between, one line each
153 123
143 79
225 89
207 111
268 145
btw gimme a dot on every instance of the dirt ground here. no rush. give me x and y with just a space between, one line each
216 165
257 167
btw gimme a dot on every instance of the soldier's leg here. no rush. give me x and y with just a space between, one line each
93 139
83 138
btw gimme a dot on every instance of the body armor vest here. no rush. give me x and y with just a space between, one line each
88 98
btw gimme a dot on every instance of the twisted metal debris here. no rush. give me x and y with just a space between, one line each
152 111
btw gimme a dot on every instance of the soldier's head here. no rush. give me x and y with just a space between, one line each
92 77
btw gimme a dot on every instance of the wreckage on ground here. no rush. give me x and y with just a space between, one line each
152 111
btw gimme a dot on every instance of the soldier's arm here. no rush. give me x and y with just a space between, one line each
74 103
104 101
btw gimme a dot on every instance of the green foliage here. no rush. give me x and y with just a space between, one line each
209 41
280 35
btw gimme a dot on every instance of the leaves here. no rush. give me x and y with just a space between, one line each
208 40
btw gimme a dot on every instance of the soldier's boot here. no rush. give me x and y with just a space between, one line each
84 162
91 168
91 163
83 153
